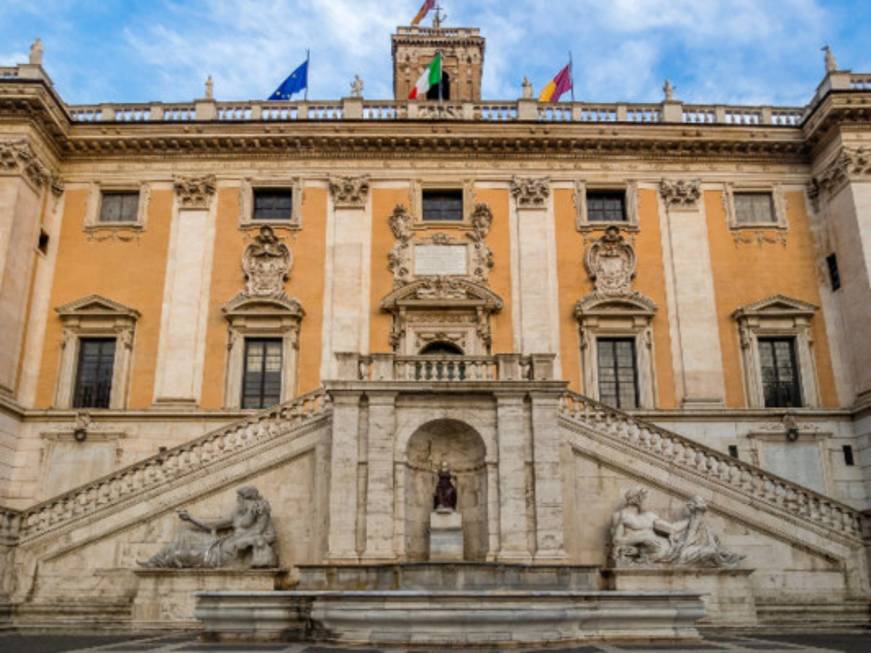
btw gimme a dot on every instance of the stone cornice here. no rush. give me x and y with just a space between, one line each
34 102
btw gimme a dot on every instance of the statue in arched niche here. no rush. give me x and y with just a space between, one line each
445 496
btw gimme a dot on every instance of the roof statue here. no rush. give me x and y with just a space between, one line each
36 52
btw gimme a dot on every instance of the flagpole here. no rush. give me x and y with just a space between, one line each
307 66
572 75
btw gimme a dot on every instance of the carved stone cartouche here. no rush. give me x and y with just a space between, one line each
610 262
245 539
266 264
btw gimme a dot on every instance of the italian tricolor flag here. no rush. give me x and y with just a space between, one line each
430 77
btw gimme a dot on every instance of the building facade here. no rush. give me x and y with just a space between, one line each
330 298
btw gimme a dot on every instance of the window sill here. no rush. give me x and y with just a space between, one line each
458 225
97 226
756 226
289 225
625 225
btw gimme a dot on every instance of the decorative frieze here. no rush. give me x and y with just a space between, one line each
850 164
531 192
399 257
681 194
266 263
482 257
194 192
349 192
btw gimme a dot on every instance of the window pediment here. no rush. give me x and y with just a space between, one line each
247 306
776 306
445 292
96 306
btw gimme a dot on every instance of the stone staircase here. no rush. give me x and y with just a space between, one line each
131 483
718 471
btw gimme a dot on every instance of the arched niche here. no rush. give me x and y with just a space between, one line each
441 348
465 452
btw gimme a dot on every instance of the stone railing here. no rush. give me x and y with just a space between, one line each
10 526
171 464
495 111
860 82
7 72
444 368
757 485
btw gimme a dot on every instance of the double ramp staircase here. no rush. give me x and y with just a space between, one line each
737 490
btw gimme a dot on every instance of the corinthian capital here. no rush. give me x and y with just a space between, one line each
195 192
349 192
680 193
531 192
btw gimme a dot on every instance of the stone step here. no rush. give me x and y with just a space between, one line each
448 576
846 613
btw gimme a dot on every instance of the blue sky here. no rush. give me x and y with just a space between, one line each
740 51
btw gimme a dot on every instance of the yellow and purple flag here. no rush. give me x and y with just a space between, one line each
425 8
557 86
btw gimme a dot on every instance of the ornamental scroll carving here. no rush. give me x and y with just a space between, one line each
681 194
266 264
399 259
611 262
18 157
531 192
194 192
349 192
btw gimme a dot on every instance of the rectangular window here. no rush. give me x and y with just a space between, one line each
848 456
834 273
261 384
733 450
606 206
273 204
94 371
443 205
119 206
780 382
754 208
618 375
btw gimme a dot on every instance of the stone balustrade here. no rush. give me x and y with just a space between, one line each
10 525
444 368
757 485
169 465
495 111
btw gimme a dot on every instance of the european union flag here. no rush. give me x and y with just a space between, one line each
297 81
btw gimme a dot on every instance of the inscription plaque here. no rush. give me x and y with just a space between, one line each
440 260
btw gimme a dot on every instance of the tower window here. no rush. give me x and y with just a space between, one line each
261 383
94 372
442 90
780 382
834 273
618 373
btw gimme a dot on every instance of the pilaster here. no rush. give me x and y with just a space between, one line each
513 443
700 373
380 480
342 532
546 438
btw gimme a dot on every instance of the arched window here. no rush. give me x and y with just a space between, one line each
441 348
445 93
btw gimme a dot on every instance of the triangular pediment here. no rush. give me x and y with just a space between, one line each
777 305
252 305
96 305
443 292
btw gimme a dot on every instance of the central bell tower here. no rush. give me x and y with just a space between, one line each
462 51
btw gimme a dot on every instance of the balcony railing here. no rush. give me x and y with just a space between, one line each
445 368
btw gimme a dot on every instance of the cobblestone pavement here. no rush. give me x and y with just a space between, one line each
792 642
